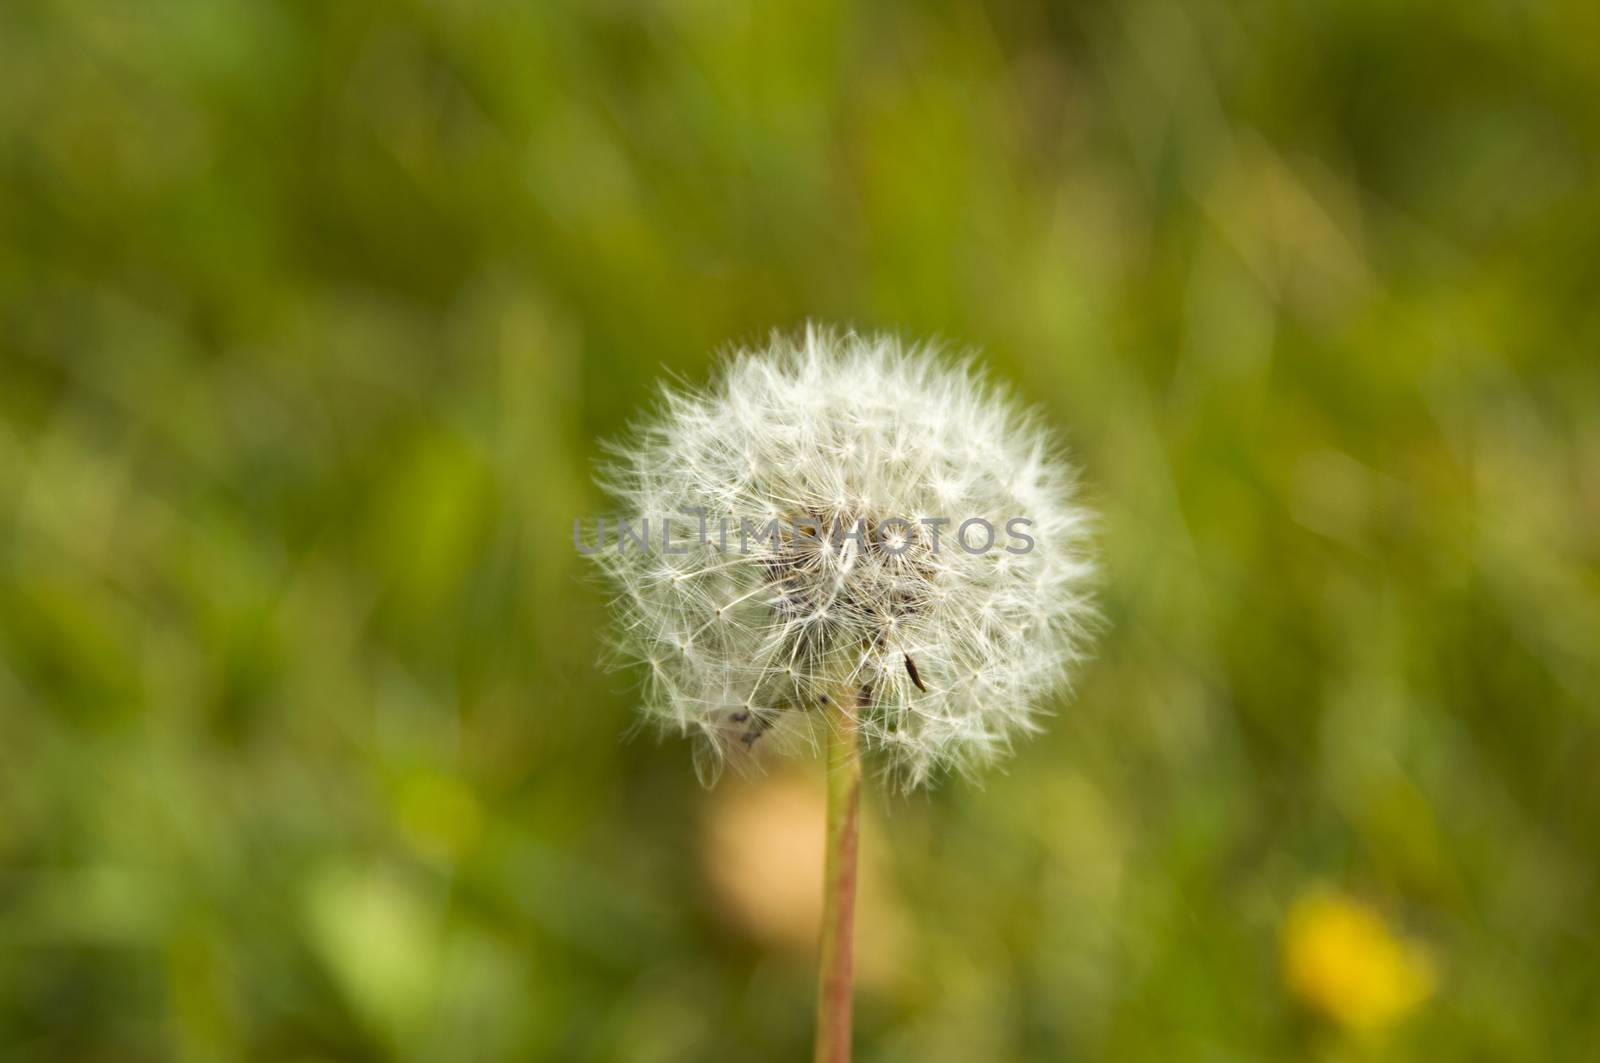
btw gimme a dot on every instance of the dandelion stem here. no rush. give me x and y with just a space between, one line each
836 955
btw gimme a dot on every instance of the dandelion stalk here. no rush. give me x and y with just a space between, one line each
836 953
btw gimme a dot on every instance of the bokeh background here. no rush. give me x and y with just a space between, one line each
312 315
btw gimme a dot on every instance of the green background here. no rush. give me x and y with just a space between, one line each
312 315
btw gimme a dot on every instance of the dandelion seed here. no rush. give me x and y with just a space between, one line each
916 678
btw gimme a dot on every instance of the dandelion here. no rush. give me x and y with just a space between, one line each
1341 960
848 540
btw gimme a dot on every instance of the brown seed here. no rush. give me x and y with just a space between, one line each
911 670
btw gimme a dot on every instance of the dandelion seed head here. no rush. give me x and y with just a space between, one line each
856 446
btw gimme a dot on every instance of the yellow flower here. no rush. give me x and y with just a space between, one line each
1341 959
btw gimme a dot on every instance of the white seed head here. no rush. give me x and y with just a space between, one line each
856 446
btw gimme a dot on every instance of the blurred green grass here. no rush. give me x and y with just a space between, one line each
313 315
